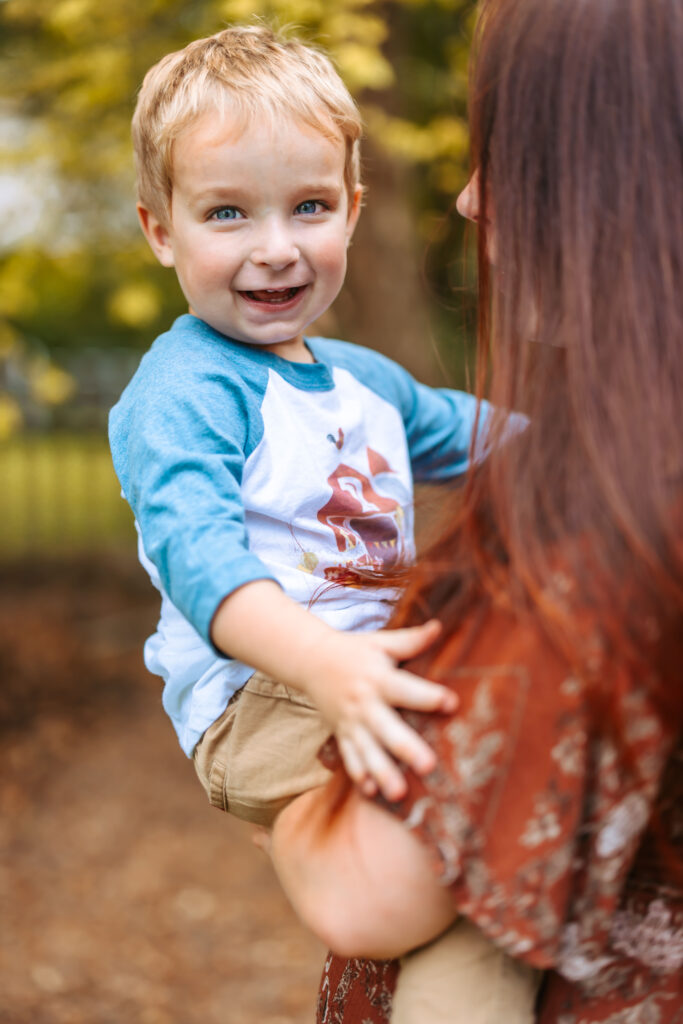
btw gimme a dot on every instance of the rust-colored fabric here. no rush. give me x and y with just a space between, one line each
356 991
539 822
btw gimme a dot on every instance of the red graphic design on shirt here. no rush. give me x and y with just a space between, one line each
367 525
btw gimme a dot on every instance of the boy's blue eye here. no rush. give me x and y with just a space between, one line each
227 213
310 206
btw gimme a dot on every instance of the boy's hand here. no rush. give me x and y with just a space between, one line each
356 685
352 678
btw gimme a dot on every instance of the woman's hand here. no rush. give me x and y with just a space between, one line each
355 875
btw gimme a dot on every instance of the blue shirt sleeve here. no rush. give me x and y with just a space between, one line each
440 425
180 435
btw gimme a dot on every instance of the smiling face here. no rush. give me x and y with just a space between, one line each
259 226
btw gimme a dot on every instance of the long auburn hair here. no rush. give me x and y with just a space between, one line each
576 113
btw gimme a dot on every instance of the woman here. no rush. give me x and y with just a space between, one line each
553 822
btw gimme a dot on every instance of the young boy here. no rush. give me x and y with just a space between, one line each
268 470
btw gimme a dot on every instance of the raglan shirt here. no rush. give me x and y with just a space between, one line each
240 465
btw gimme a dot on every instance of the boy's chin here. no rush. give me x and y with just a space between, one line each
293 348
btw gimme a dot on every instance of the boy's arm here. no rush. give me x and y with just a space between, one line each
352 678
444 428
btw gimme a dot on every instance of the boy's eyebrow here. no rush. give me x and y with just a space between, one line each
238 193
324 189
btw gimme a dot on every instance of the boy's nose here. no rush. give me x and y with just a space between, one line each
275 248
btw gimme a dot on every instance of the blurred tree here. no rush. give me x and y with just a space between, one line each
73 266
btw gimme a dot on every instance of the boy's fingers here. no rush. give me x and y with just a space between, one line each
368 786
371 767
410 691
381 769
408 642
353 762
402 741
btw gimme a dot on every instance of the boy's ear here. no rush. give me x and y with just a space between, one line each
158 236
354 211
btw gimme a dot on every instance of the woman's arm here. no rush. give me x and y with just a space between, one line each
356 876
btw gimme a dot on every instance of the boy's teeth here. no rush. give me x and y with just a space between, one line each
273 295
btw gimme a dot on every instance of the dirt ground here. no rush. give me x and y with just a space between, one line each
124 897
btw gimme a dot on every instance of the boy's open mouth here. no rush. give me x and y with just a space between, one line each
273 296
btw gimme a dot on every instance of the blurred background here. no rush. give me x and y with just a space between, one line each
123 897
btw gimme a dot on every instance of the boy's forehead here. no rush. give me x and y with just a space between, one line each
225 115
214 128
217 150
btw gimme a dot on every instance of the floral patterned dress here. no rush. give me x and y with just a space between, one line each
539 824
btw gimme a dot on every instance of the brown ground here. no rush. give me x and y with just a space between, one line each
124 898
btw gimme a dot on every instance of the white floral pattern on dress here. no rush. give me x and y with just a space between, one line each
654 939
624 822
538 823
544 826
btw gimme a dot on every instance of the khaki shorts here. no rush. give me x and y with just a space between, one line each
462 978
262 752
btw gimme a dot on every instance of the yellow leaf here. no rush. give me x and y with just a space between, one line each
347 25
442 138
69 15
9 339
50 385
363 67
297 11
135 304
282 11
17 292
450 177
11 418
240 10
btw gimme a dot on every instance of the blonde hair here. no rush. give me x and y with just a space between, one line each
250 70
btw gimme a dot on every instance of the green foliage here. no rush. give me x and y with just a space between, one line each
68 79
